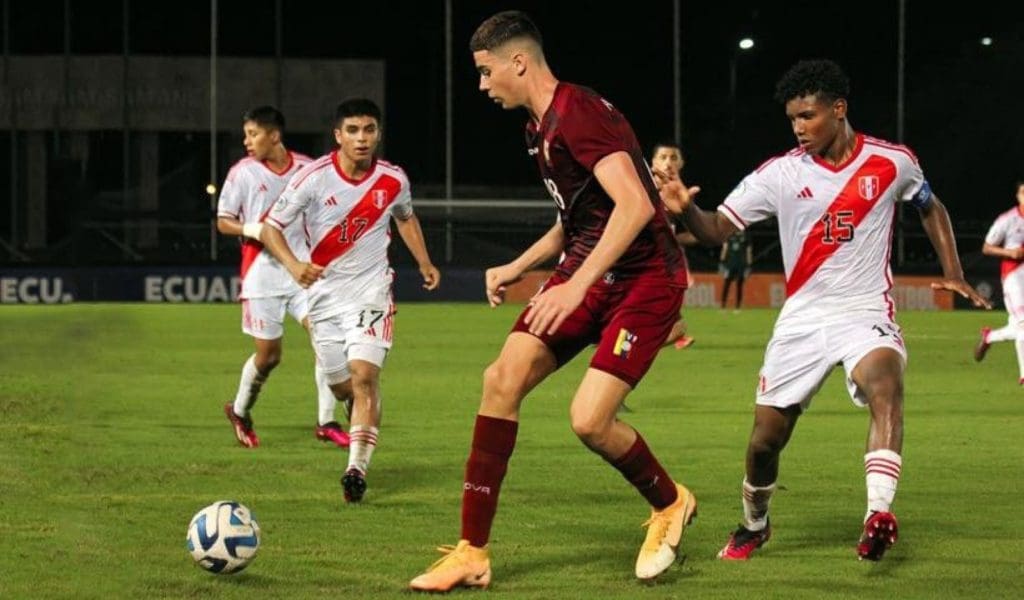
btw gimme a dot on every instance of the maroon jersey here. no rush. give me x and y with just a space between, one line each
579 129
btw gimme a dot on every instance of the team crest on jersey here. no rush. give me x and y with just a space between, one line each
380 197
868 187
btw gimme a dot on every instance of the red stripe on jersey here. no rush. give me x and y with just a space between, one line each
250 250
816 249
370 208
1008 266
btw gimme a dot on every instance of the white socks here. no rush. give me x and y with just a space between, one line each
882 472
325 400
364 441
248 387
755 505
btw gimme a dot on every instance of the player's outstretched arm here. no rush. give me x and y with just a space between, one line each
497 279
304 273
707 228
412 234
935 220
1000 252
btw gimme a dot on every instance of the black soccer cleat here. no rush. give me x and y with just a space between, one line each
353 482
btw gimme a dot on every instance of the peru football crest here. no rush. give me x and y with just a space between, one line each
380 197
868 187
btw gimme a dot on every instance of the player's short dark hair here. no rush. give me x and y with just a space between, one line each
357 107
668 144
266 117
820 77
503 27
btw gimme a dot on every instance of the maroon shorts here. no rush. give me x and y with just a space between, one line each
628 321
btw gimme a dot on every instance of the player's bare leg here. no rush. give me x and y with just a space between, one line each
366 413
523 363
594 420
772 429
879 375
254 375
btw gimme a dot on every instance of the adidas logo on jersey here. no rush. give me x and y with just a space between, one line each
805 193
332 201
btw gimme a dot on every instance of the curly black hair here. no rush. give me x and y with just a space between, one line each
822 77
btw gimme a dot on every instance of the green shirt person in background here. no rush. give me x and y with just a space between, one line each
734 264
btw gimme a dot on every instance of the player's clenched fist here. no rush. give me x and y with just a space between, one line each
306 273
496 279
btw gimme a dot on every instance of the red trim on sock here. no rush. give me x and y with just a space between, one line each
493 442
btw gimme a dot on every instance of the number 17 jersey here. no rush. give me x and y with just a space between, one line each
835 225
348 223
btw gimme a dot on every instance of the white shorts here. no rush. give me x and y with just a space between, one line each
796 363
263 318
359 333
1013 296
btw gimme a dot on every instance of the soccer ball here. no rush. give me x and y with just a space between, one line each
223 537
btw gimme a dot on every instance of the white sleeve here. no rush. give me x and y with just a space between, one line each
916 189
232 194
751 201
293 201
402 207
997 233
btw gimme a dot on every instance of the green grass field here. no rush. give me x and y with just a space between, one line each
112 436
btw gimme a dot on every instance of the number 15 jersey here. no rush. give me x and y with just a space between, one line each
835 225
348 223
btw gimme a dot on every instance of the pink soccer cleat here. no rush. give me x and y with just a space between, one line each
243 427
684 342
880 532
743 542
332 432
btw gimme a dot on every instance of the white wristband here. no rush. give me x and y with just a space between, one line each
252 230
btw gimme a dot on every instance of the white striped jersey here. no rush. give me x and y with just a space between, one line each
348 226
249 191
1007 231
835 224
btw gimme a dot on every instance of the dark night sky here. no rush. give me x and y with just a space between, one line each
957 91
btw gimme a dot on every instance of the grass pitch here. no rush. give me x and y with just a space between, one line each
112 436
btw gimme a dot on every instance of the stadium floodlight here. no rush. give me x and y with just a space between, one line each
986 41
211 189
746 43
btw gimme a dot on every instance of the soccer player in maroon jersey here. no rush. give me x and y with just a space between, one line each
619 285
